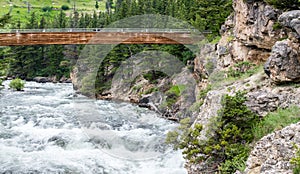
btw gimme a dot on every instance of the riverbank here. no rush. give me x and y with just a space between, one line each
42 79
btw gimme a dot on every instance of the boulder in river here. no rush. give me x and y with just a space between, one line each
41 79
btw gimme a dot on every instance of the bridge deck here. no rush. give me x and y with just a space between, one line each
97 36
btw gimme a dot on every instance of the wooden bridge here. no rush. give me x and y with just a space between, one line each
68 36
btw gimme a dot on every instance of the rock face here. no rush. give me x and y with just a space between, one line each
248 34
291 19
205 62
272 154
253 23
263 97
252 33
284 63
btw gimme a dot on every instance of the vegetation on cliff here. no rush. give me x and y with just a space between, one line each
226 146
284 4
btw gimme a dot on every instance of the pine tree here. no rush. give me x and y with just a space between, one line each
97 5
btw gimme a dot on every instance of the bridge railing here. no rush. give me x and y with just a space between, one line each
142 30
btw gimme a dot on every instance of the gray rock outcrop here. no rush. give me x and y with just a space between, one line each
248 34
291 19
284 63
272 154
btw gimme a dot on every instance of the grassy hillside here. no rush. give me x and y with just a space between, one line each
20 7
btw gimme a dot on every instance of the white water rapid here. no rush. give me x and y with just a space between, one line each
42 130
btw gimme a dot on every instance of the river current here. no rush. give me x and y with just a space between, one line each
47 128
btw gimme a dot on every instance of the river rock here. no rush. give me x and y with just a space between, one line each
41 79
63 79
272 154
59 141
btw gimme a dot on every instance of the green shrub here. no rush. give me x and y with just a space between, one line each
17 84
209 66
217 76
227 145
151 90
277 26
216 40
153 76
174 137
173 94
241 68
296 160
1 86
65 7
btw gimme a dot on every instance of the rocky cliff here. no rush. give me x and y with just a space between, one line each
261 34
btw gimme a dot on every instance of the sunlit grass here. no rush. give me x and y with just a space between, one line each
276 120
20 9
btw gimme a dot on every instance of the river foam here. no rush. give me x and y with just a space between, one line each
42 130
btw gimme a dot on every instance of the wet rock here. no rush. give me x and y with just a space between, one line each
152 101
41 79
59 141
63 79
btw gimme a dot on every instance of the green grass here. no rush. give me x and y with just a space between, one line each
276 121
20 11
176 89
218 79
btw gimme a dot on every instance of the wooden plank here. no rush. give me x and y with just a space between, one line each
67 38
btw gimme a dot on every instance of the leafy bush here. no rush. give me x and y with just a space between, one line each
227 145
1 86
173 94
17 84
153 76
277 26
151 90
209 66
65 7
174 137
296 160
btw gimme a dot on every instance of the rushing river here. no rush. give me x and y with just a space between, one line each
48 129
